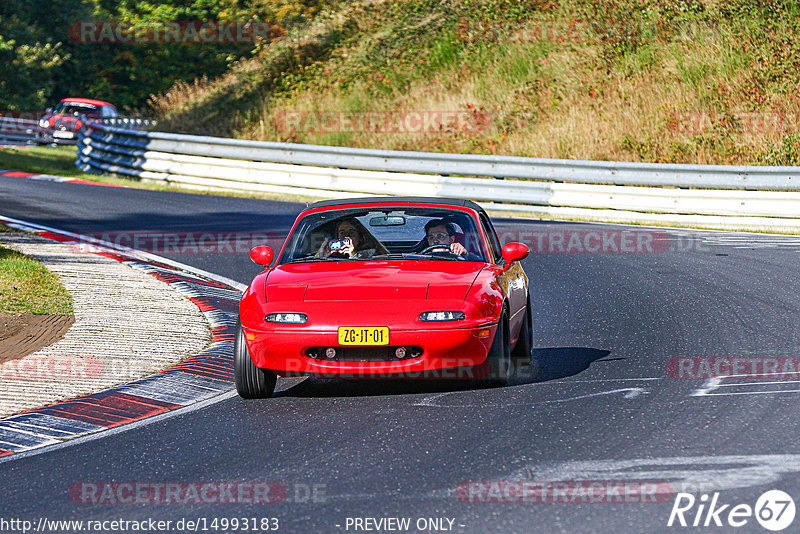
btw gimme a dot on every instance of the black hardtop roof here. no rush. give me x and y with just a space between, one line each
399 200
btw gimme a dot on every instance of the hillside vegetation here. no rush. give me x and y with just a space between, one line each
638 80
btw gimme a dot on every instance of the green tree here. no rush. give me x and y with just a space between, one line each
42 62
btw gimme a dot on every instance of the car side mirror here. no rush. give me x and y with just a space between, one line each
261 255
515 252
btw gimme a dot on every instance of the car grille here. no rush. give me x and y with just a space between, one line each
364 354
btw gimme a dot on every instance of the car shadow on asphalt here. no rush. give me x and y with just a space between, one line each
550 364
553 363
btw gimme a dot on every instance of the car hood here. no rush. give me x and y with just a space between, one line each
371 280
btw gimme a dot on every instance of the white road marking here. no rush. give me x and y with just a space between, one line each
428 401
710 384
753 393
615 379
713 384
630 393
691 473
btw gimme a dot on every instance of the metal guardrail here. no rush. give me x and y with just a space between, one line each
132 123
18 130
714 195
22 130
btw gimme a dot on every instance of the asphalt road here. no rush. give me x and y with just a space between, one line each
620 337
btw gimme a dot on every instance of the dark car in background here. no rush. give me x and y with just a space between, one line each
61 124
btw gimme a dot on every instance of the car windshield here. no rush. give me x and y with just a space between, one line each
386 234
77 108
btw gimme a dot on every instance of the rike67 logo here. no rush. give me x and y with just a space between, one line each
774 510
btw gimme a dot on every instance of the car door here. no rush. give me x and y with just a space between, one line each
511 278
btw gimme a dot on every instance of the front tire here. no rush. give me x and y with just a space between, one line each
251 382
523 351
498 362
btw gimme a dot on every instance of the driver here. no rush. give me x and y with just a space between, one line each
440 232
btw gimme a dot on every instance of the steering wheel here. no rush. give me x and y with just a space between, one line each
431 248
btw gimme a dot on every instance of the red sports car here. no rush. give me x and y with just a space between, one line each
61 125
385 287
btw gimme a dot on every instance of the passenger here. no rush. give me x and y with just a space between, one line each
357 245
441 232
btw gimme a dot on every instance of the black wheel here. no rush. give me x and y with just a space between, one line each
251 381
498 362
524 348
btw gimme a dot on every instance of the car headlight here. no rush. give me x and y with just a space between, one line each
295 318
44 123
442 316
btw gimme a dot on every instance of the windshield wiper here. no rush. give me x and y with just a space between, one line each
309 259
390 256
417 256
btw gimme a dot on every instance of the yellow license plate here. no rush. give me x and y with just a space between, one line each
363 335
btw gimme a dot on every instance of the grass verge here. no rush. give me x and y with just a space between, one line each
42 160
26 286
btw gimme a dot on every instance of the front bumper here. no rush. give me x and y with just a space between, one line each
444 350
48 136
